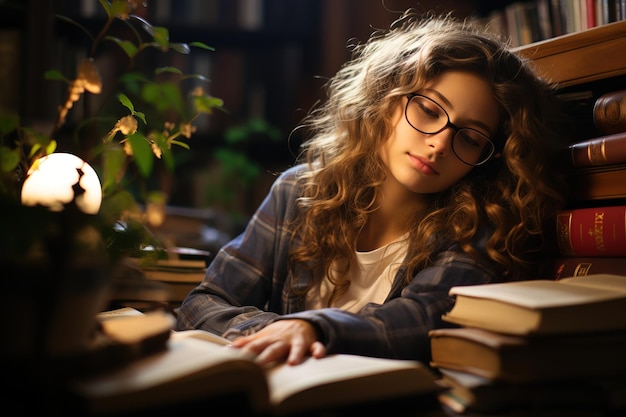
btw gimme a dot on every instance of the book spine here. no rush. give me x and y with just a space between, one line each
605 150
563 267
599 183
594 231
609 112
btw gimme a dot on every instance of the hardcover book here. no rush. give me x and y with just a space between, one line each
599 183
589 303
563 266
521 359
600 151
468 392
609 112
592 231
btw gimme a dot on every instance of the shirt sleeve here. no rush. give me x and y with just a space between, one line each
241 291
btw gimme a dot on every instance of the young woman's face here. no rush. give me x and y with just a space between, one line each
426 163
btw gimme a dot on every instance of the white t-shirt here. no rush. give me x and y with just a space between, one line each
370 279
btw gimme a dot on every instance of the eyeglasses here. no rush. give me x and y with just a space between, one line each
427 116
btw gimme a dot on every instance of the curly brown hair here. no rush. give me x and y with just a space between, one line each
513 194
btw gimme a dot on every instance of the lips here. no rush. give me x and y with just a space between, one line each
423 165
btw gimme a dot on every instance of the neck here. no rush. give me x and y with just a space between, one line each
390 220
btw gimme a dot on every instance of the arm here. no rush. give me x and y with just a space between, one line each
242 289
399 327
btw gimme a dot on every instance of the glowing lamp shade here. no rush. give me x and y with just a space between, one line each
57 179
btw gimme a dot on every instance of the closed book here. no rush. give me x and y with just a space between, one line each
529 359
563 267
604 150
590 303
599 183
609 112
468 392
592 231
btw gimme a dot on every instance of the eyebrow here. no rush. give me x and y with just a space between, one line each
476 123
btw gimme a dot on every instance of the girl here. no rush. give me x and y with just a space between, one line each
428 166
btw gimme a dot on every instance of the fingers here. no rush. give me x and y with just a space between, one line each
318 350
286 340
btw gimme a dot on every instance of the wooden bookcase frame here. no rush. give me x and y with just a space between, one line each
581 57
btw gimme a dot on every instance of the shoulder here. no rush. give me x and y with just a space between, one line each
290 180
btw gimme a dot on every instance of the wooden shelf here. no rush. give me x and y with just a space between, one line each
581 57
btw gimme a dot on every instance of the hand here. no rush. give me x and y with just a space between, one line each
290 340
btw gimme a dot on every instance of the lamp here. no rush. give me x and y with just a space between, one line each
60 178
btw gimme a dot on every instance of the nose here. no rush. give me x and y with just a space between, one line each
441 143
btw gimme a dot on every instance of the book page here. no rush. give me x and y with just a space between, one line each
345 379
200 334
189 368
603 281
538 294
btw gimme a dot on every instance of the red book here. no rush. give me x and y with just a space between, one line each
574 266
595 231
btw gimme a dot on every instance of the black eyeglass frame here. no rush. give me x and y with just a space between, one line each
450 125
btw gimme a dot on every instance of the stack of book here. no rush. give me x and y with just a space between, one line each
590 235
536 345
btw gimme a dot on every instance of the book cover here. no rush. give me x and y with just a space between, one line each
598 183
592 231
563 267
589 303
520 359
603 150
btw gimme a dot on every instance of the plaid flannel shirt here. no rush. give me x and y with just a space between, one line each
247 286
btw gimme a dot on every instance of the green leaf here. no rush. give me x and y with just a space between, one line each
116 203
113 158
8 122
197 77
172 70
181 144
119 7
126 102
151 93
142 154
164 96
161 36
172 95
141 116
182 48
202 45
9 158
168 158
206 104
55 75
106 6
127 46
51 147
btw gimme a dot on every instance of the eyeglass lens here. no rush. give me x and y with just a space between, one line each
426 116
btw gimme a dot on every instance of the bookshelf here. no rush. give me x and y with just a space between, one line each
585 65
581 57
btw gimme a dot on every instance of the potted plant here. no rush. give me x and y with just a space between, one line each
50 251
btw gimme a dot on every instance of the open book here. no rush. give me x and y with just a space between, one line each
571 305
198 365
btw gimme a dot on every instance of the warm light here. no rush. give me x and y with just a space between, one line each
56 179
